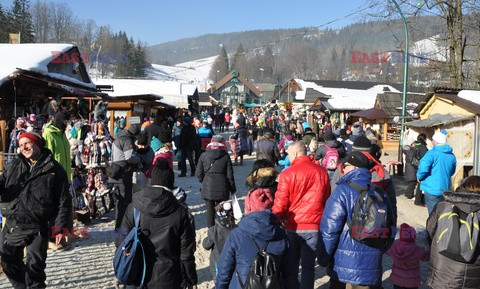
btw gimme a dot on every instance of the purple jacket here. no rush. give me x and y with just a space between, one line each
406 263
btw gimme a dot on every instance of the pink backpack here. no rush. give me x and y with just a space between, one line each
330 160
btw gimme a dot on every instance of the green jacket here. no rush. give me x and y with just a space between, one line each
57 143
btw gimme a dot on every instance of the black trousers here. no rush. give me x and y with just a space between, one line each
182 164
32 273
210 204
410 189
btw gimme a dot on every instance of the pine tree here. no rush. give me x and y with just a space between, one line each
22 21
3 25
239 61
220 66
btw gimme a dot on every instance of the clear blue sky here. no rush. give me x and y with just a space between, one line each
157 21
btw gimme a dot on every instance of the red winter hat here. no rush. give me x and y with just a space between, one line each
407 233
34 137
258 200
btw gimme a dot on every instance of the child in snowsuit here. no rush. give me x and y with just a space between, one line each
217 234
406 255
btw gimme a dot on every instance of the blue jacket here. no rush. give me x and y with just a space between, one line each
435 169
239 250
348 260
205 132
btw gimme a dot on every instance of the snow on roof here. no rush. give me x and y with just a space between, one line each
470 95
170 92
32 57
196 71
344 98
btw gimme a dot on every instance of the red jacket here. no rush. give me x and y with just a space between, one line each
303 190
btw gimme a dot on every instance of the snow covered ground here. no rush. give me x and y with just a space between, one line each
88 263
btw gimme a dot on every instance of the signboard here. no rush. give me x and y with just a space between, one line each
134 120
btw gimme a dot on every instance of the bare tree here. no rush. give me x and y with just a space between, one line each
63 22
41 21
300 61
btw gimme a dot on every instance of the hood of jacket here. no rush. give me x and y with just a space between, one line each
260 224
216 152
262 178
123 133
465 200
155 201
404 251
444 148
333 143
50 128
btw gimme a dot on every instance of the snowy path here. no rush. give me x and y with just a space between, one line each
88 263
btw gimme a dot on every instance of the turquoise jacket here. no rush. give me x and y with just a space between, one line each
436 168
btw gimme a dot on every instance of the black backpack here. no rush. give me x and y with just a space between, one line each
263 273
372 221
457 235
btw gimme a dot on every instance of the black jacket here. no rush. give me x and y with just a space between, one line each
217 179
442 271
167 237
215 240
267 149
152 130
188 138
419 150
30 199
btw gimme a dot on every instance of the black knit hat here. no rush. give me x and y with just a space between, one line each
362 143
162 174
328 136
358 159
142 139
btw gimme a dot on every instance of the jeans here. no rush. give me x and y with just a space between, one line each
302 246
431 201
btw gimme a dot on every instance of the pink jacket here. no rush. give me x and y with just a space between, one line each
406 263
161 153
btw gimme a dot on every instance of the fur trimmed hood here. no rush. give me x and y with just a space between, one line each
262 178
467 201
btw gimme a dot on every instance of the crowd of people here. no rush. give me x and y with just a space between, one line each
303 192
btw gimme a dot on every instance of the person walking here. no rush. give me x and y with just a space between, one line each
120 171
217 234
258 225
215 172
302 192
444 272
267 147
350 264
34 190
436 168
252 133
241 142
170 243
57 142
187 144
406 256
413 154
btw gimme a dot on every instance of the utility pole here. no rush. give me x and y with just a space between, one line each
405 81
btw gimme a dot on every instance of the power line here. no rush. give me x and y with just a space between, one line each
296 34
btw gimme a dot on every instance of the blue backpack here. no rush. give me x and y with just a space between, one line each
129 261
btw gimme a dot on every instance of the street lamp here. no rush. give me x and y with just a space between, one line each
405 81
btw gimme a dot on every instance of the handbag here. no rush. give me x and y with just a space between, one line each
237 211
